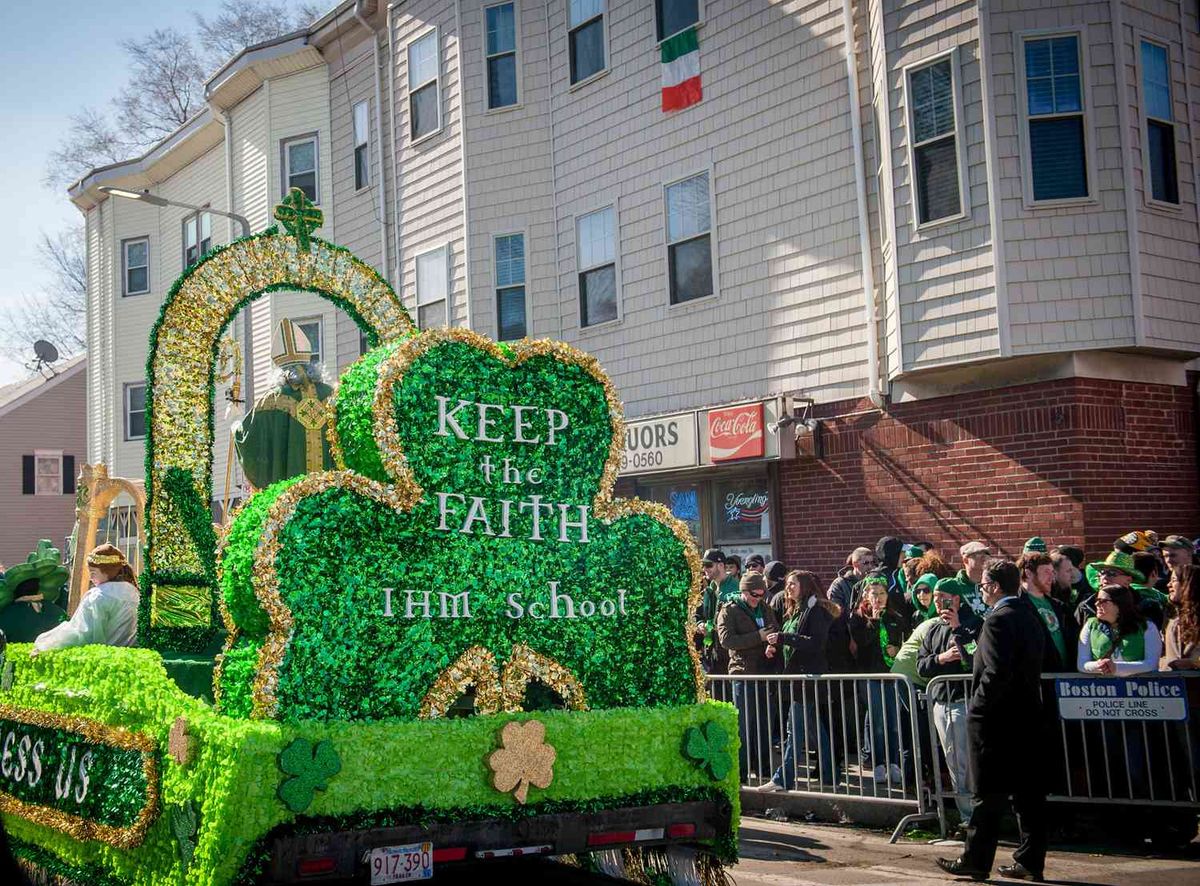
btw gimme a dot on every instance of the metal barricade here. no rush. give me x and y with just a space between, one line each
1143 762
856 736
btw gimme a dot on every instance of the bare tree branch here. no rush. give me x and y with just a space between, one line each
166 89
58 313
91 141
242 24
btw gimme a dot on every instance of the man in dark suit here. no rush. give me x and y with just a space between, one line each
1004 709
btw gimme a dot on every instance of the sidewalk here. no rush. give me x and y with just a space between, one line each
801 854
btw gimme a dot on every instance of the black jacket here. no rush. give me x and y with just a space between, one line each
940 638
868 653
807 642
1004 713
1150 610
842 591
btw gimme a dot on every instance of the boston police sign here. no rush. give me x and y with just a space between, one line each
1121 698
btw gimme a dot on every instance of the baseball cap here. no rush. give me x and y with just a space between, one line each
973 547
712 556
1176 541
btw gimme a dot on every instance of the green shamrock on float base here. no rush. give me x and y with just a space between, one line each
707 747
309 768
476 516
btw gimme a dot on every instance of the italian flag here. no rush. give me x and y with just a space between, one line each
681 71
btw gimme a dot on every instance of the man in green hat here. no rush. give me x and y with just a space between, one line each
29 594
1118 568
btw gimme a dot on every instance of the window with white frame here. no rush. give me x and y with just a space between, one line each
197 237
673 16
934 140
136 261
510 287
596 254
689 246
585 38
1159 112
424 86
433 288
501 50
135 411
311 327
300 166
1055 110
362 149
48 472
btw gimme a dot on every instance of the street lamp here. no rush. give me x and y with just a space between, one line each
153 200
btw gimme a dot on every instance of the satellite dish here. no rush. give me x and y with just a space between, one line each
46 352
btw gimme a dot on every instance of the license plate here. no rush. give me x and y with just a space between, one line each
399 864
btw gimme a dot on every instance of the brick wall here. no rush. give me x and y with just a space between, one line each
1074 460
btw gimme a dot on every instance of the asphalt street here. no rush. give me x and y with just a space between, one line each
800 854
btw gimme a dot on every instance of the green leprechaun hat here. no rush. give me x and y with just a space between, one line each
1118 560
44 564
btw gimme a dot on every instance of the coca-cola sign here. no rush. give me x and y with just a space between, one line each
736 432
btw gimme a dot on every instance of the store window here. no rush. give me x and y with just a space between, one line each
683 500
741 509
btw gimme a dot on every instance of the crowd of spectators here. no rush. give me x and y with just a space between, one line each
905 609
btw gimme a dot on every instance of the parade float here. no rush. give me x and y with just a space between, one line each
456 645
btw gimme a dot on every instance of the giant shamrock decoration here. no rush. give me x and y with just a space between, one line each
474 531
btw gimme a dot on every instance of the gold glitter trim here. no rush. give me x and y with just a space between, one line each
496 691
266 576
604 506
475 667
331 433
524 666
106 559
183 358
97 733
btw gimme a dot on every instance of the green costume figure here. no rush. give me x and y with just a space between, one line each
284 434
30 592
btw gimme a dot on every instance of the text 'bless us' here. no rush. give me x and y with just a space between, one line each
526 516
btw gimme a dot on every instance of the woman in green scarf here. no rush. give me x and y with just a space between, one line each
1117 641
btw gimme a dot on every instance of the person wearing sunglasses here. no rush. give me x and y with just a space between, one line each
743 626
1118 641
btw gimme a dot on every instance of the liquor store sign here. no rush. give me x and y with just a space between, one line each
93 781
723 435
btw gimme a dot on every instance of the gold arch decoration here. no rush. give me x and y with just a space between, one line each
181 558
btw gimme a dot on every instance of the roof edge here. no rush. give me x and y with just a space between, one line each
71 367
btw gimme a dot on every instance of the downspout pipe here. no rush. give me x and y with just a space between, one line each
397 233
860 186
371 7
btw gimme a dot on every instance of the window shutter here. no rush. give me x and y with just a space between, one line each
28 486
68 475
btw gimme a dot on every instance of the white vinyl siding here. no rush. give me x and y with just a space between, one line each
433 288
689 245
136 263
595 235
424 86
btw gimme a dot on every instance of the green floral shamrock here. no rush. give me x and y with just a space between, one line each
184 825
310 768
706 746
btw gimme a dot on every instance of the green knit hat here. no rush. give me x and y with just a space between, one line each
951 586
1122 562
1037 544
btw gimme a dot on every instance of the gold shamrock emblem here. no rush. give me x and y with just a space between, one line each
180 743
311 413
523 759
